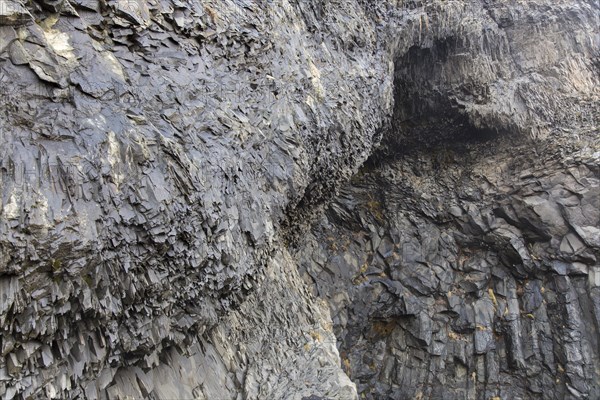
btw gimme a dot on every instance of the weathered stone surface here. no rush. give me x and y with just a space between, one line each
164 166
12 12
506 304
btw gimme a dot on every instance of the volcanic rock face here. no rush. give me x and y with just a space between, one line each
466 271
165 165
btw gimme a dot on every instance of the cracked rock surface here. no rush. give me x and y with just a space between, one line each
466 271
165 166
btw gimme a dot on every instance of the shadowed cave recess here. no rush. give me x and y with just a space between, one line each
308 200
455 262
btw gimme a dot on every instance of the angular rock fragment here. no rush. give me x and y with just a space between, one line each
12 12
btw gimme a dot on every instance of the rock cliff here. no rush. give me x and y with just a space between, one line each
299 199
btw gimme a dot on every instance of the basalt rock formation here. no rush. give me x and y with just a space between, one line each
299 199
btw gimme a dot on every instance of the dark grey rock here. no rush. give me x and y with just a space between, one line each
12 12
164 166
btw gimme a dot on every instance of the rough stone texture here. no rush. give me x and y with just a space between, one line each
277 344
150 152
159 160
466 271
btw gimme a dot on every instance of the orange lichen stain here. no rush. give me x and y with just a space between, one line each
211 13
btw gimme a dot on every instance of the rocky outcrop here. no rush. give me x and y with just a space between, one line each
466 271
152 150
161 160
